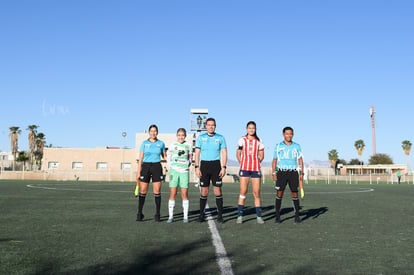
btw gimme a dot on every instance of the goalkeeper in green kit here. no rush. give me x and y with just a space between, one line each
179 158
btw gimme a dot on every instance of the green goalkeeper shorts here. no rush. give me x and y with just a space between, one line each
179 179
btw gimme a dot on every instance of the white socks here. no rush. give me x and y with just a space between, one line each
171 205
185 209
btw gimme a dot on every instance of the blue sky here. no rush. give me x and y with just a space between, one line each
85 71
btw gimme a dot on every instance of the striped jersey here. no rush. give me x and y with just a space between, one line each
152 150
179 156
287 156
210 146
250 149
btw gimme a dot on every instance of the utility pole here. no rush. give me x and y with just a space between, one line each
372 113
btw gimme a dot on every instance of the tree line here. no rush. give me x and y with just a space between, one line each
359 145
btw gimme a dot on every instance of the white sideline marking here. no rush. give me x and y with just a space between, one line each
221 255
230 193
342 192
41 186
77 189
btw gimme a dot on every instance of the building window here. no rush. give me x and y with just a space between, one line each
126 166
101 165
77 165
53 165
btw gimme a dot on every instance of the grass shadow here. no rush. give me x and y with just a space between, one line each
305 215
163 260
314 213
177 259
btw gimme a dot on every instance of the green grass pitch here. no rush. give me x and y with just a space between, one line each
90 228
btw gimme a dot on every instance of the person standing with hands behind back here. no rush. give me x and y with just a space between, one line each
210 164
179 159
149 167
250 153
287 159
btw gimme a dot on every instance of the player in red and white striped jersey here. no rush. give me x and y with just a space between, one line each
250 153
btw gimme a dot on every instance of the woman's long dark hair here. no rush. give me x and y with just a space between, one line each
255 131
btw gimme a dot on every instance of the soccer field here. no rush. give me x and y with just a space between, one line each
90 228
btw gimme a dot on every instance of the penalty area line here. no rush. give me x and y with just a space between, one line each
76 189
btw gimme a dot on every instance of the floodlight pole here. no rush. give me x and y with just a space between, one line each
372 113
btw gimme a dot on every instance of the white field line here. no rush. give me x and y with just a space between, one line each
77 189
360 190
223 261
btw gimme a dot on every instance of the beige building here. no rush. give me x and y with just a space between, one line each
374 169
99 164
6 161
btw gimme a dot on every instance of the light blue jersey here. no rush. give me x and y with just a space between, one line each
287 156
152 150
210 146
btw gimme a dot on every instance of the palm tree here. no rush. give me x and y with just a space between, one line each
32 142
406 145
40 144
333 157
14 141
360 146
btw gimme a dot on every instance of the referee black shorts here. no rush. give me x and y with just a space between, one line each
151 170
210 171
285 177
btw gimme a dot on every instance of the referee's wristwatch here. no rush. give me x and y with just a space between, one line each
224 166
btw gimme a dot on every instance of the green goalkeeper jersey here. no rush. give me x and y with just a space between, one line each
179 156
